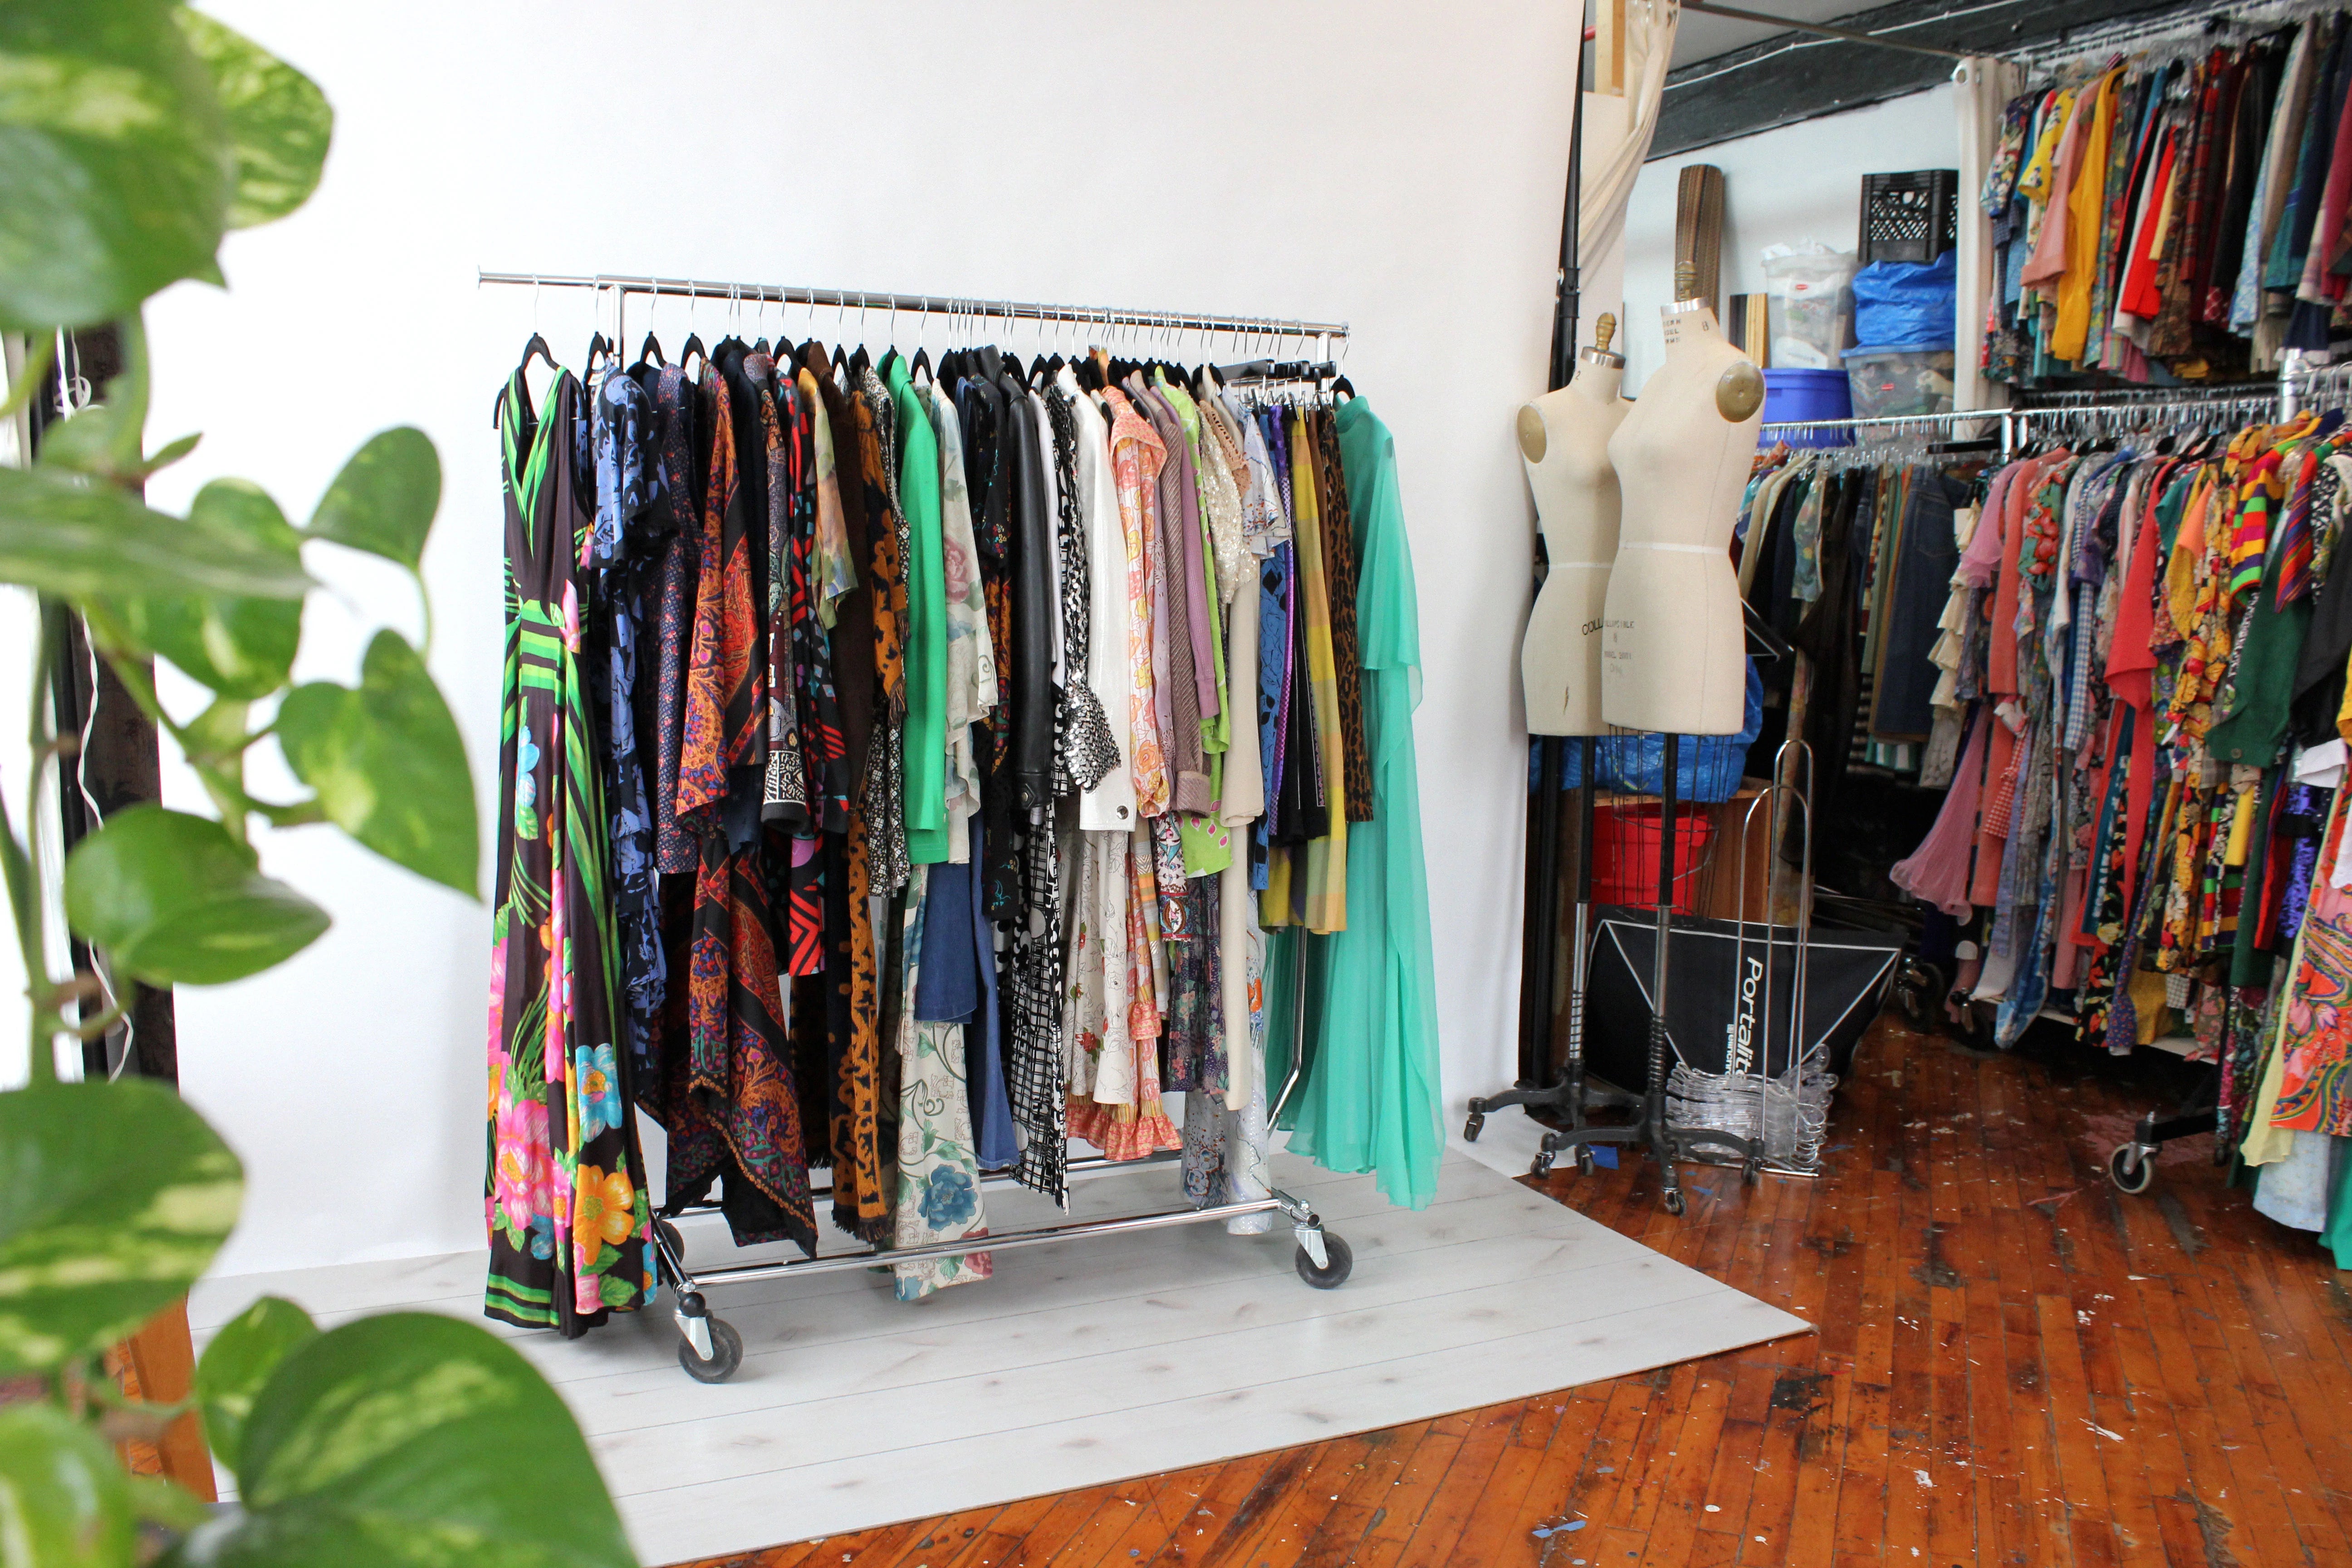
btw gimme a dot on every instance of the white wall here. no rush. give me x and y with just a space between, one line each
1801 181
1395 165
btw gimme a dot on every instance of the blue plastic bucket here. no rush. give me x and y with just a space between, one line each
1792 395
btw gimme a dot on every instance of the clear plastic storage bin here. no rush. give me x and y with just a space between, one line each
1898 381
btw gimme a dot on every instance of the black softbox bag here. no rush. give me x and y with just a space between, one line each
1717 990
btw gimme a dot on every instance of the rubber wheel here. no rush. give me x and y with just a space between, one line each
1334 1273
2130 1171
1675 1201
1542 1167
1751 1174
1472 1128
669 1235
1585 1164
1919 988
726 1354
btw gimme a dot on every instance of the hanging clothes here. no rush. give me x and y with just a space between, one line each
568 1214
948 735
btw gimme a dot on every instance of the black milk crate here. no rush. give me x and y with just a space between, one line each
1910 216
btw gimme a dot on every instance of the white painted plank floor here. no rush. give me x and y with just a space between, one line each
1080 1363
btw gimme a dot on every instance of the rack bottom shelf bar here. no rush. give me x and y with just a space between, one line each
711 1350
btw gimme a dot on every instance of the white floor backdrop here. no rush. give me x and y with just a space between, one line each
1396 165
1083 1363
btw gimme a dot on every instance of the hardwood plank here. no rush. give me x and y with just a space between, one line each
1982 1304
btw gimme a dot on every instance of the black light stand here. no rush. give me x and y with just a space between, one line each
1571 1098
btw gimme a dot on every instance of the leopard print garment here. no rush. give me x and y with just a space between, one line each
1346 646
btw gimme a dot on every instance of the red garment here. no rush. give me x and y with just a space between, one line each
2141 297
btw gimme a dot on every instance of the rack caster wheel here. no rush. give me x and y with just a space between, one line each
1675 1201
1585 1164
1918 987
1472 1128
1339 1264
726 1354
2130 1170
1751 1174
670 1238
1542 1166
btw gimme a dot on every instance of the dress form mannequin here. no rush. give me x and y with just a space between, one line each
1673 640
1564 441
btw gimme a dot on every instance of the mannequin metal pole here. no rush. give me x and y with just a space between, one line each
1543 913
1653 1107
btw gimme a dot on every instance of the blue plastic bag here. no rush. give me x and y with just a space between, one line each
1706 767
1906 304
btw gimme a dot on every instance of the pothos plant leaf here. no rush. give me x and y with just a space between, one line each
278 121
63 535
388 762
175 900
240 1360
240 647
412 1438
118 1196
114 161
64 1497
383 501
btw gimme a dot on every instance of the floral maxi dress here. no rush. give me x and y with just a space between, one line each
566 1201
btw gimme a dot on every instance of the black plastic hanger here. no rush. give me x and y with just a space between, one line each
650 353
537 349
921 363
597 345
693 347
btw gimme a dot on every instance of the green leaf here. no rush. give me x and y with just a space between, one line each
118 1196
240 647
383 501
175 900
278 121
64 536
388 764
65 1501
166 1503
240 1360
414 1439
114 161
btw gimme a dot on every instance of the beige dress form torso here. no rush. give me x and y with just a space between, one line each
1564 443
1673 640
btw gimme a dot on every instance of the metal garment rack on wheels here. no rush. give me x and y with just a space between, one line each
709 1349
2131 1166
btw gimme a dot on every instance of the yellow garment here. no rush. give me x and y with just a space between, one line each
2148 1004
2086 206
1326 857
2187 548
2241 828
2035 183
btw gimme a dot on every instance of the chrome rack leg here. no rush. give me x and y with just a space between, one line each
691 1313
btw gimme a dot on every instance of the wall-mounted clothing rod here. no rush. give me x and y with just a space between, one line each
1111 318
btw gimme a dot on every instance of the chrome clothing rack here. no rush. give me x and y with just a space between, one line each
709 1349
2299 383
1113 320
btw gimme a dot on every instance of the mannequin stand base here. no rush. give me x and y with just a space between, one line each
1570 1101
1573 1096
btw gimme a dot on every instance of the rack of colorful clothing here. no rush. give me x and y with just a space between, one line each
2144 653
2174 207
915 761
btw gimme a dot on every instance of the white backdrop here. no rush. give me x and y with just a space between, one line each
1395 165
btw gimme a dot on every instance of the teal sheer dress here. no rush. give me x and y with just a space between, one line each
1370 1100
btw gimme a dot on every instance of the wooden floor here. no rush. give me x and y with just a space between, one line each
2016 1365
